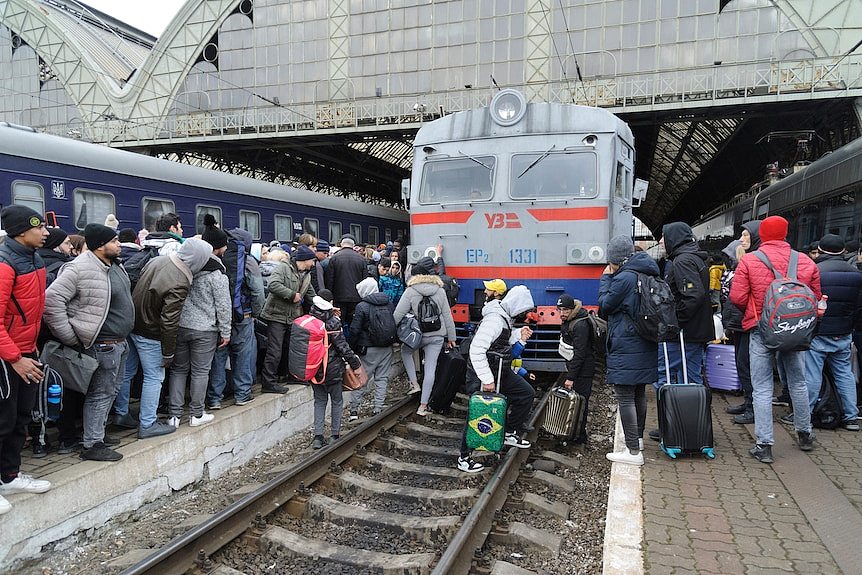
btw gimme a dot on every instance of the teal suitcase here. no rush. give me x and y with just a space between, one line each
486 419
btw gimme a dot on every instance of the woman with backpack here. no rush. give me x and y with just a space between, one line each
426 300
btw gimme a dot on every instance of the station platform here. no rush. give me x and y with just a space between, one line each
734 515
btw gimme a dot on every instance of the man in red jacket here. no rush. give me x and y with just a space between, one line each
22 301
748 291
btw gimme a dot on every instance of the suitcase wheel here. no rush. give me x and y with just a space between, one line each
709 452
671 452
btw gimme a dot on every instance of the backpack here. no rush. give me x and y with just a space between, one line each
136 264
428 315
451 287
381 325
309 349
598 333
234 262
656 316
828 412
789 315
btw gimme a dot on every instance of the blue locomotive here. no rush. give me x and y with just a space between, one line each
80 183
526 192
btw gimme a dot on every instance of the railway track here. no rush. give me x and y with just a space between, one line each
386 498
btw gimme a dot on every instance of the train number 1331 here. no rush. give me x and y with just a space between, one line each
523 256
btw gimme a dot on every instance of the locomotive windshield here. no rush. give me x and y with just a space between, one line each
560 175
466 179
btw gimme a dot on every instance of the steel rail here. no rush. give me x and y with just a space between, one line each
181 553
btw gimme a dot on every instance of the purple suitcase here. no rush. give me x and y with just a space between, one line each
721 367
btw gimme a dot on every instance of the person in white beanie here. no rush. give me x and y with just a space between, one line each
112 222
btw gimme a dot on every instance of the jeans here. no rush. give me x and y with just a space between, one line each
762 386
103 389
241 352
322 393
378 363
194 356
632 403
431 347
15 414
693 360
835 351
146 353
741 341
275 335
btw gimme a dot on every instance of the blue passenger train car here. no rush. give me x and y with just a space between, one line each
82 183
527 192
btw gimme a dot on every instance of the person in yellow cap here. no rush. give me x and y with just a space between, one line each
494 289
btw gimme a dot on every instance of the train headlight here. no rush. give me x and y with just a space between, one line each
590 140
597 254
508 107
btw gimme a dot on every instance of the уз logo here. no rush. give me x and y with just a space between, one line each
502 220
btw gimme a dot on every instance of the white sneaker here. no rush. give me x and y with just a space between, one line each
422 411
469 466
625 456
641 443
174 421
515 441
414 388
25 484
202 420
4 505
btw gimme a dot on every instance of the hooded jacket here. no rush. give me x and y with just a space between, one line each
22 299
346 269
167 242
163 288
497 321
418 287
253 275
576 332
842 282
688 277
360 337
731 316
631 359
208 305
284 283
339 351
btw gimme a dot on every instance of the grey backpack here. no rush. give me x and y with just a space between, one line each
789 315
408 331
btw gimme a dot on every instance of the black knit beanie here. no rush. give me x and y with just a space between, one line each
97 235
215 237
55 238
18 219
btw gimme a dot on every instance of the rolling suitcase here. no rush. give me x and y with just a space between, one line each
486 418
721 368
684 414
448 379
564 413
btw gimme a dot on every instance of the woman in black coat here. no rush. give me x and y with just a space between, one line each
631 359
576 333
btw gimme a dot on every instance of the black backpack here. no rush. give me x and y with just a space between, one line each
451 287
137 262
381 326
428 315
828 412
656 316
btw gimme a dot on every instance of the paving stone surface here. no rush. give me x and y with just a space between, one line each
733 515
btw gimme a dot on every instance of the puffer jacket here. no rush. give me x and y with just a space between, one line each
842 282
346 269
360 337
631 359
393 286
577 333
22 299
162 289
284 283
339 350
752 279
53 260
418 287
497 320
78 301
208 305
688 277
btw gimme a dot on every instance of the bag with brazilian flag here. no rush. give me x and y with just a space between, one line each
486 418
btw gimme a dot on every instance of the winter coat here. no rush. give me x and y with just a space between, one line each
842 282
731 316
253 297
688 277
360 337
318 281
497 320
208 306
78 301
162 289
577 333
284 283
339 350
393 286
53 260
167 242
752 278
418 287
22 299
346 269
128 249
631 359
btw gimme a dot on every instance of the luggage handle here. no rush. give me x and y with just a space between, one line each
499 374
684 363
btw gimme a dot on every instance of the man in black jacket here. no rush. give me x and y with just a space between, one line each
842 282
575 332
346 269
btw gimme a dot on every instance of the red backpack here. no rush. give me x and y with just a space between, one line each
309 349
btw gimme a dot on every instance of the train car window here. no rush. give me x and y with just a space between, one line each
373 235
311 226
457 180
356 232
622 188
334 232
153 209
250 222
387 234
29 194
567 175
92 207
283 228
202 210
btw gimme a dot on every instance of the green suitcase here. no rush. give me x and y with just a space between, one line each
486 419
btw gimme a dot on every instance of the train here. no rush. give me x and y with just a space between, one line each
527 192
75 183
824 197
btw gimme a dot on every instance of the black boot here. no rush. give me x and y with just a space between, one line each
762 453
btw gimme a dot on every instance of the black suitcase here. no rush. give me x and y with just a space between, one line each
684 414
449 377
